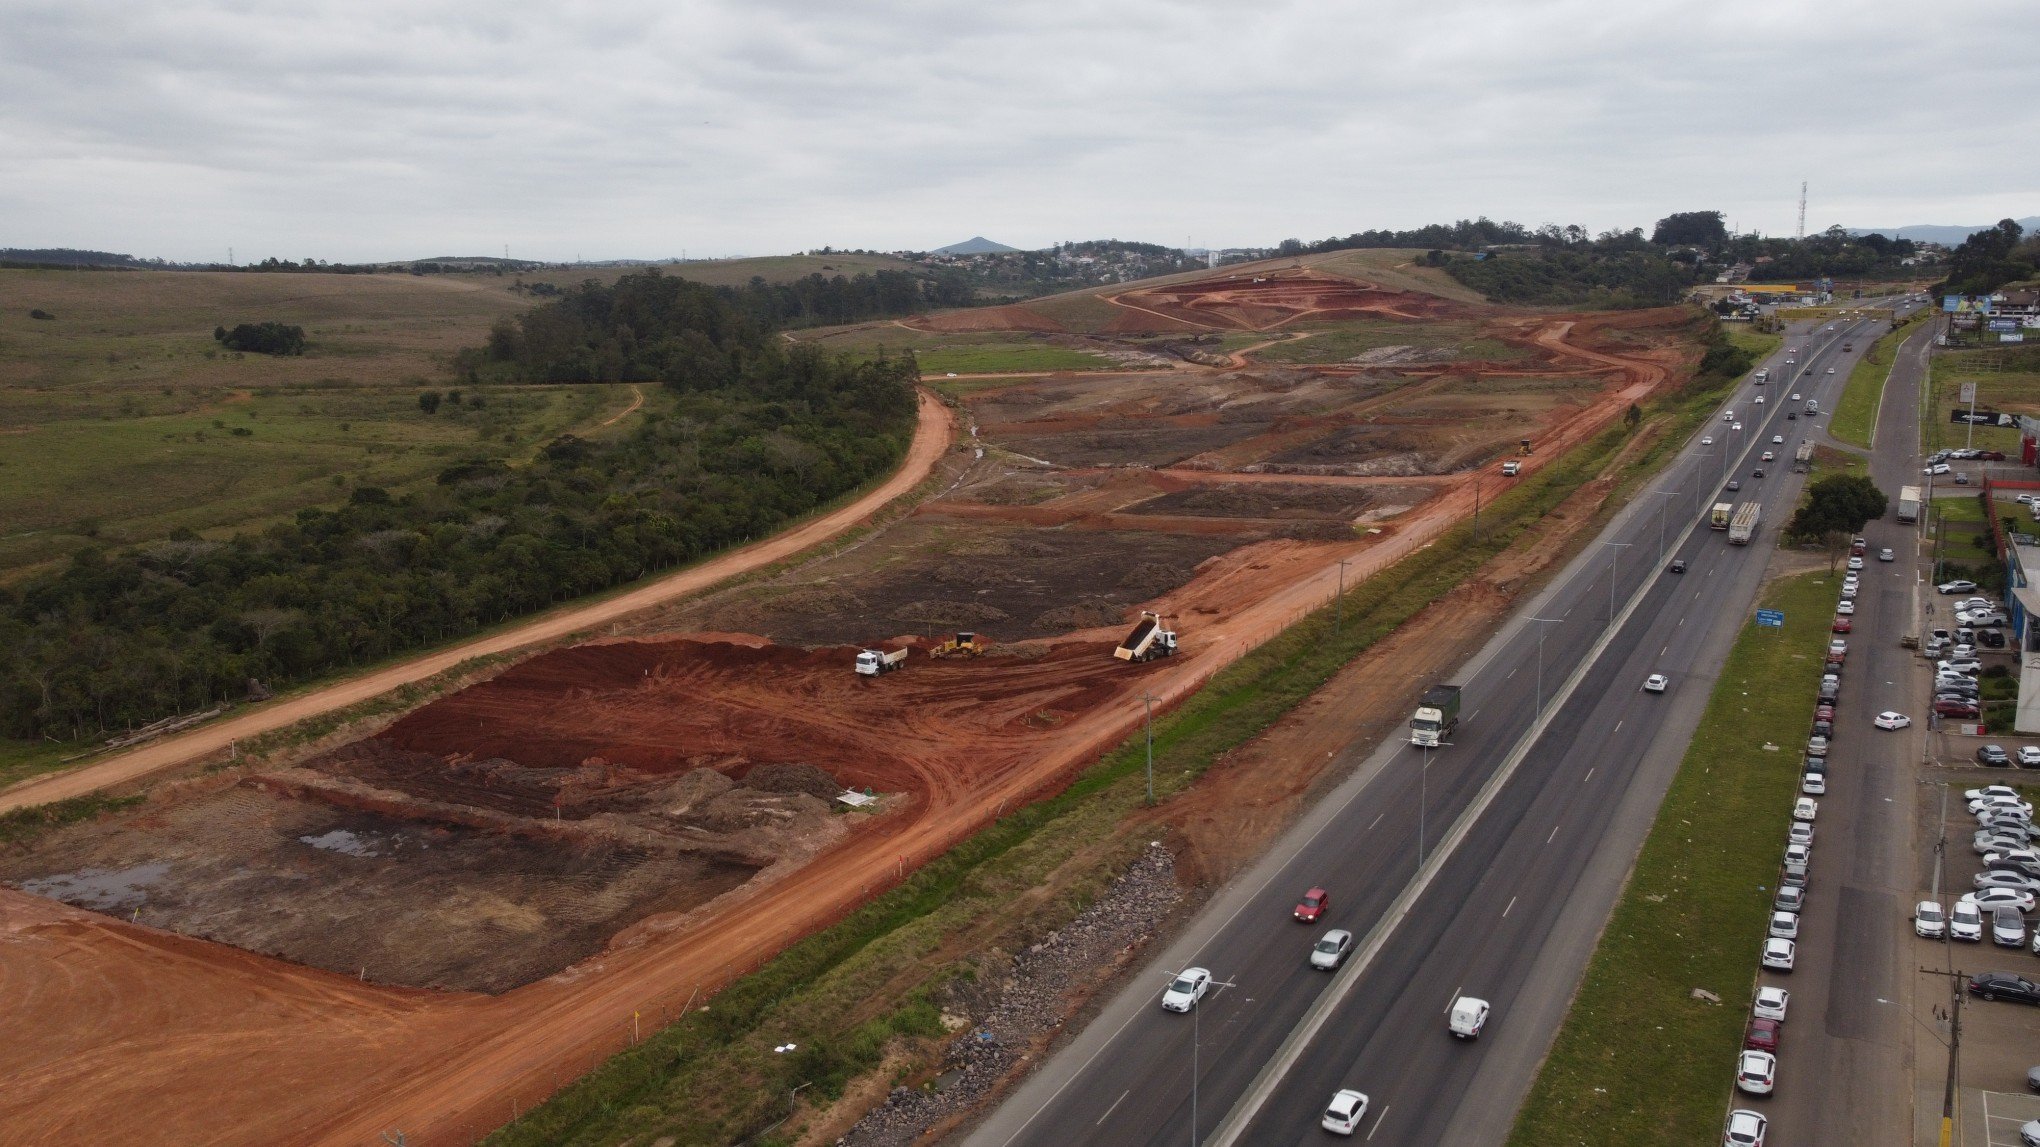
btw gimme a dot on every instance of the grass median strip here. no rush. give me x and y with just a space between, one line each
1856 411
1640 1060
842 994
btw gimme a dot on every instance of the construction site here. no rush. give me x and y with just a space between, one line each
403 929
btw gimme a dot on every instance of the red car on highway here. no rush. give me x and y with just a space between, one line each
1843 625
1313 905
1762 1036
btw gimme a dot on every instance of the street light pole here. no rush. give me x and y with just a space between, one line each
1662 507
1540 659
1339 602
1611 577
1148 699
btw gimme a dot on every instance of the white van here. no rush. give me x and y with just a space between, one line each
1728 416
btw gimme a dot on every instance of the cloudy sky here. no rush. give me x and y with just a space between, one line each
368 129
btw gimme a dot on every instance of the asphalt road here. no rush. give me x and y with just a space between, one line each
1509 914
1844 1061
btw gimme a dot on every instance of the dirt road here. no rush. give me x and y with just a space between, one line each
932 436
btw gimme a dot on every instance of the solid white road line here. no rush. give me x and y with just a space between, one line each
1113 1108
1505 911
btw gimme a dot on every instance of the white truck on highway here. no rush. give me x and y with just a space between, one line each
1147 641
872 662
1718 517
1908 503
1744 526
1436 716
1802 458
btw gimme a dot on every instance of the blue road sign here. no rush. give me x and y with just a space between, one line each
1775 618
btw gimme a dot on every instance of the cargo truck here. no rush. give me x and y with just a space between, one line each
1744 525
1437 715
1762 376
1147 641
1802 458
1717 518
872 662
1908 503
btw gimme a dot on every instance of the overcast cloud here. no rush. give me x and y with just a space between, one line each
366 129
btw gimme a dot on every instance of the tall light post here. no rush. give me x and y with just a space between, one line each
1611 576
1540 658
1661 509
1339 602
1149 699
1423 797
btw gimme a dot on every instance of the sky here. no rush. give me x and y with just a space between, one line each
366 129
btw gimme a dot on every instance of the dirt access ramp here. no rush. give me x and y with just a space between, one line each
443 1067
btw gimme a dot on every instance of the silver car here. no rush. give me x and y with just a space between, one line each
1331 950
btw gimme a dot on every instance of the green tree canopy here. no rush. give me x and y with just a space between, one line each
1837 505
1691 228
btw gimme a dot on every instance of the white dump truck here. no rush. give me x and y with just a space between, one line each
1436 716
1147 641
872 662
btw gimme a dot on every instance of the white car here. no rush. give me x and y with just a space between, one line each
1999 878
1845 607
1831 370
1797 854
1756 1072
1777 440
1805 808
1655 683
1344 1113
1707 441
1856 563
1745 1129
1929 920
1997 803
1735 426
1768 456
1813 784
1187 988
1779 954
1965 921
1969 603
1467 1017
1959 585
1848 591
1331 950
1795 394
1771 1003
1985 899
1785 925
1988 791
1760 400
1937 468
2029 756
1890 719
1800 833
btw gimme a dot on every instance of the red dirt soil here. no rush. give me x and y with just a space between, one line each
1259 303
135 1025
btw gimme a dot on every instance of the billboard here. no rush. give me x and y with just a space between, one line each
2002 325
2011 338
1981 416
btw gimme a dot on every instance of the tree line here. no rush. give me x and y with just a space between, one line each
761 431
1991 258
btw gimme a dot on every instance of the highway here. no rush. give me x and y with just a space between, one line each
1508 909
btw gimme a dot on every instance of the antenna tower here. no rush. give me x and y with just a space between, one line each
1802 209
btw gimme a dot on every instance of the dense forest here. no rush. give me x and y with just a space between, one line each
826 301
760 432
1991 259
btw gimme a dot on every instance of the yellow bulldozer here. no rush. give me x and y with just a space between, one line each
962 645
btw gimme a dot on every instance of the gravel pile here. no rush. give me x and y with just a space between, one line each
1029 1004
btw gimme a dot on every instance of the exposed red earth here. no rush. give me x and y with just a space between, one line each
133 1022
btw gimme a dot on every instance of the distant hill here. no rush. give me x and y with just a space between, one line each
1935 233
975 245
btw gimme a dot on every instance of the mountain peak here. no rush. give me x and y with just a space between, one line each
975 245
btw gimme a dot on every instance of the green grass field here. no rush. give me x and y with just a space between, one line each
124 420
1640 1061
2008 381
774 268
1856 412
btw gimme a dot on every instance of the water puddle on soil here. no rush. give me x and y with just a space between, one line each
100 889
350 843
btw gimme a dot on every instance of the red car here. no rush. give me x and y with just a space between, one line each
1857 548
1823 712
1762 1036
1313 905
1956 709
1843 625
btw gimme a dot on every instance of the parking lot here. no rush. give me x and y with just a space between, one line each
2003 1113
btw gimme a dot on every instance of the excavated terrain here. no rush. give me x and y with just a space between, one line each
624 825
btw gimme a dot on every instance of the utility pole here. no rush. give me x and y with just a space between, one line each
1668 495
1149 699
1955 978
1339 602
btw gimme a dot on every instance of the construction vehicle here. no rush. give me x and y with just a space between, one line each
962 645
1744 527
1147 641
872 662
1718 517
1436 716
1523 446
1908 503
1802 458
